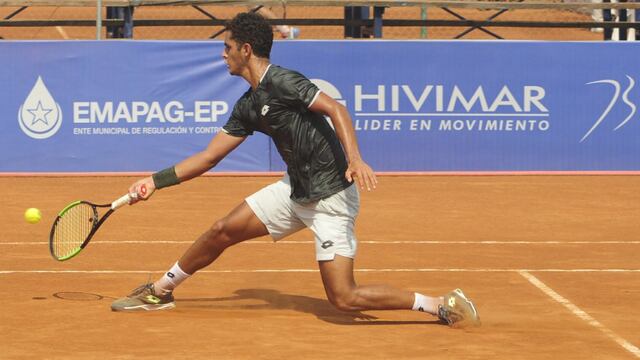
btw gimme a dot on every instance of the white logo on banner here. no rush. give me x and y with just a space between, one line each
40 115
328 88
614 99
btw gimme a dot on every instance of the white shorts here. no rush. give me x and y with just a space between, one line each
331 219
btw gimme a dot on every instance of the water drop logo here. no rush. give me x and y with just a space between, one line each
40 116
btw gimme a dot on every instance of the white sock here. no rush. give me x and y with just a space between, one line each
426 304
171 279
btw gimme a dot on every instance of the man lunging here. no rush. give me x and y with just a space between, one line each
317 191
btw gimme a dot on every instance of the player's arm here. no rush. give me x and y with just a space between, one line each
358 170
195 165
219 147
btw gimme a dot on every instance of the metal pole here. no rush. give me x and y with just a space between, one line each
99 20
377 21
423 16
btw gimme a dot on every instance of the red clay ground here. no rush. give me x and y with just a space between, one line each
578 235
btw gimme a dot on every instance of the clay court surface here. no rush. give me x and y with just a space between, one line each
551 261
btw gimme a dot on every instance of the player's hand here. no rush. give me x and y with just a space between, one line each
143 189
362 173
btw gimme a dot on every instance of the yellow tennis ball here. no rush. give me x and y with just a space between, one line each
32 215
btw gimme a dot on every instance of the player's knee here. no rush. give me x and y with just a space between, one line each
344 301
217 234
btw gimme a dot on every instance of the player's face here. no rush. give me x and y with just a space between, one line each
232 54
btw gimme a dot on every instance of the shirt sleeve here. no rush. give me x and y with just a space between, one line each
295 88
238 123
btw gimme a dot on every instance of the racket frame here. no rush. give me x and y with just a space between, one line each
124 200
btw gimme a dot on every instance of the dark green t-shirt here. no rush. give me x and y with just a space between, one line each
279 108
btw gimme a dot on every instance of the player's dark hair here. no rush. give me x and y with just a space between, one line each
251 28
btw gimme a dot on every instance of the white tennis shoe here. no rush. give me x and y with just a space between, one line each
458 311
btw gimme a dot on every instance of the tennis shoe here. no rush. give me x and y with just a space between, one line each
458 311
144 298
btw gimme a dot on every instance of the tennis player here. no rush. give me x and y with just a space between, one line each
317 192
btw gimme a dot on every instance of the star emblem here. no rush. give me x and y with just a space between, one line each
39 114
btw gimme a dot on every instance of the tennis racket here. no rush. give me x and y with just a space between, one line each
76 224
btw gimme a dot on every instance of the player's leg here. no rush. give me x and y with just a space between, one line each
239 225
332 220
454 309
267 211
343 292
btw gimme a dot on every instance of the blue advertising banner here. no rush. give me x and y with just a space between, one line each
133 106
116 106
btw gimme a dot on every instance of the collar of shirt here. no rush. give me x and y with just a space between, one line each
264 74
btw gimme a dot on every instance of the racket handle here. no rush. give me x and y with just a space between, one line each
124 200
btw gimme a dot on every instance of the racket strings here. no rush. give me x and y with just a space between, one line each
72 229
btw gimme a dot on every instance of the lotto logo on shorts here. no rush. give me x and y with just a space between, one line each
40 115
327 244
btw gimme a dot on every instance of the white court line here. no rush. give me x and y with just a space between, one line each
379 242
245 271
581 314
